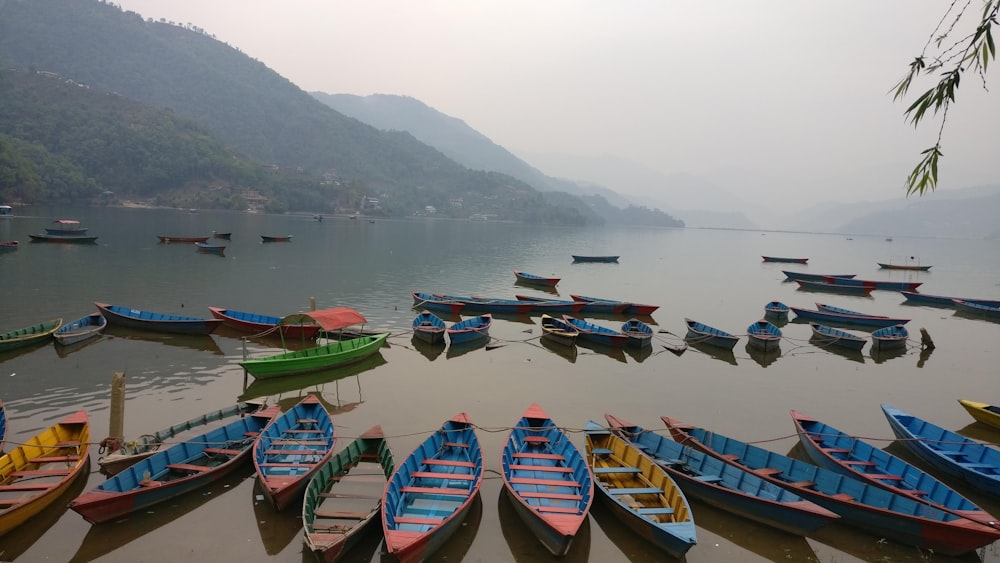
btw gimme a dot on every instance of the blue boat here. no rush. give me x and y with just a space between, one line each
819 285
700 333
568 306
764 336
881 512
84 328
890 337
583 258
429 327
534 279
156 322
815 277
429 495
842 311
559 331
171 472
826 317
596 333
951 453
639 493
877 284
912 297
472 329
548 480
210 248
978 309
837 451
629 309
423 300
776 310
3 426
291 450
829 336
640 334
492 304
725 486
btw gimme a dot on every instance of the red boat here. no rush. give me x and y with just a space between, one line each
256 324
525 277
167 238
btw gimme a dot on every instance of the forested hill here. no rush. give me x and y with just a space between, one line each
253 109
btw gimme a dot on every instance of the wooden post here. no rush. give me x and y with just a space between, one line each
116 427
925 340
312 303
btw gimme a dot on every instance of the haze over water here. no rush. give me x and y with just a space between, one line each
716 277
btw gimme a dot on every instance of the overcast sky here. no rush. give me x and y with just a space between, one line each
784 102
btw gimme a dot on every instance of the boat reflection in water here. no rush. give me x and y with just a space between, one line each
317 380
763 358
65 351
525 546
107 537
602 349
456 350
881 356
764 541
568 353
428 350
823 344
717 352
16 543
277 529
631 546
202 343
639 354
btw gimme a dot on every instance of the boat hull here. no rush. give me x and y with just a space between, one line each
29 336
604 259
471 330
832 337
333 354
825 317
256 323
782 259
81 329
156 322
596 334
699 333
982 412
429 327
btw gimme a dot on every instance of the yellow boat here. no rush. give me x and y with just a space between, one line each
35 474
982 412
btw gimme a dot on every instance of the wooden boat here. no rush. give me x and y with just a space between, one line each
579 258
173 471
37 472
782 259
170 238
776 310
639 492
815 277
430 493
525 277
877 284
943 300
816 285
914 267
471 329
630 309
9 245
597 334
28 336
764 336
884 513
730 488
6 212
278 238
837 451
333 354
949 452
558 330
640 334
256 323
548 479
79 239
978 309
573 306
700 333
118 455
344 497
64 230
429 301
827 317
827 335
429 327
225 236
492 304
210 248
842 311
157 322
81 329
291 450
889 337
982 412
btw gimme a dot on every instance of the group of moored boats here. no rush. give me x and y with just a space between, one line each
643 477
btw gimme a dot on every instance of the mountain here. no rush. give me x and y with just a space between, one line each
256 111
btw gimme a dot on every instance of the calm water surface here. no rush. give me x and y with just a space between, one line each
716 277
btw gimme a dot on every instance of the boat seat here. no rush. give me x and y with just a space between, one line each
456 444
306 421
858 462
806 484
320 513
657 510
731 457
842 496
767 471
42 472
293 452
148 483
323 529
445 476
884 477
299 442
709 478
418 520
188 467
349 495
528 455
605 470
836 450
543 482
558 509
434 491
536 439
449 462
27 487
636 491
549 468
55 459
601 451
554 496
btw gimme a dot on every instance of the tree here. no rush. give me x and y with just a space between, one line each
972 52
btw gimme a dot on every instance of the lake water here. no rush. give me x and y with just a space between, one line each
713 276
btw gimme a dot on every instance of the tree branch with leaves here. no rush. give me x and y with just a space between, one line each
948 61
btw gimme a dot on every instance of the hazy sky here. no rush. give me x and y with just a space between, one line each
783 102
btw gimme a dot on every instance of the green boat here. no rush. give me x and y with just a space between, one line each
29 335
333 354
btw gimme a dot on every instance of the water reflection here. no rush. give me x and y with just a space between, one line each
550 290
881 356
568 353
428 350
823 344
723 354
525 546
277 529
273 340
65 351
639 354
11 354
203 343
761 357
106 537
14 544
456 350
279 385
764 541
602 349
632 546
